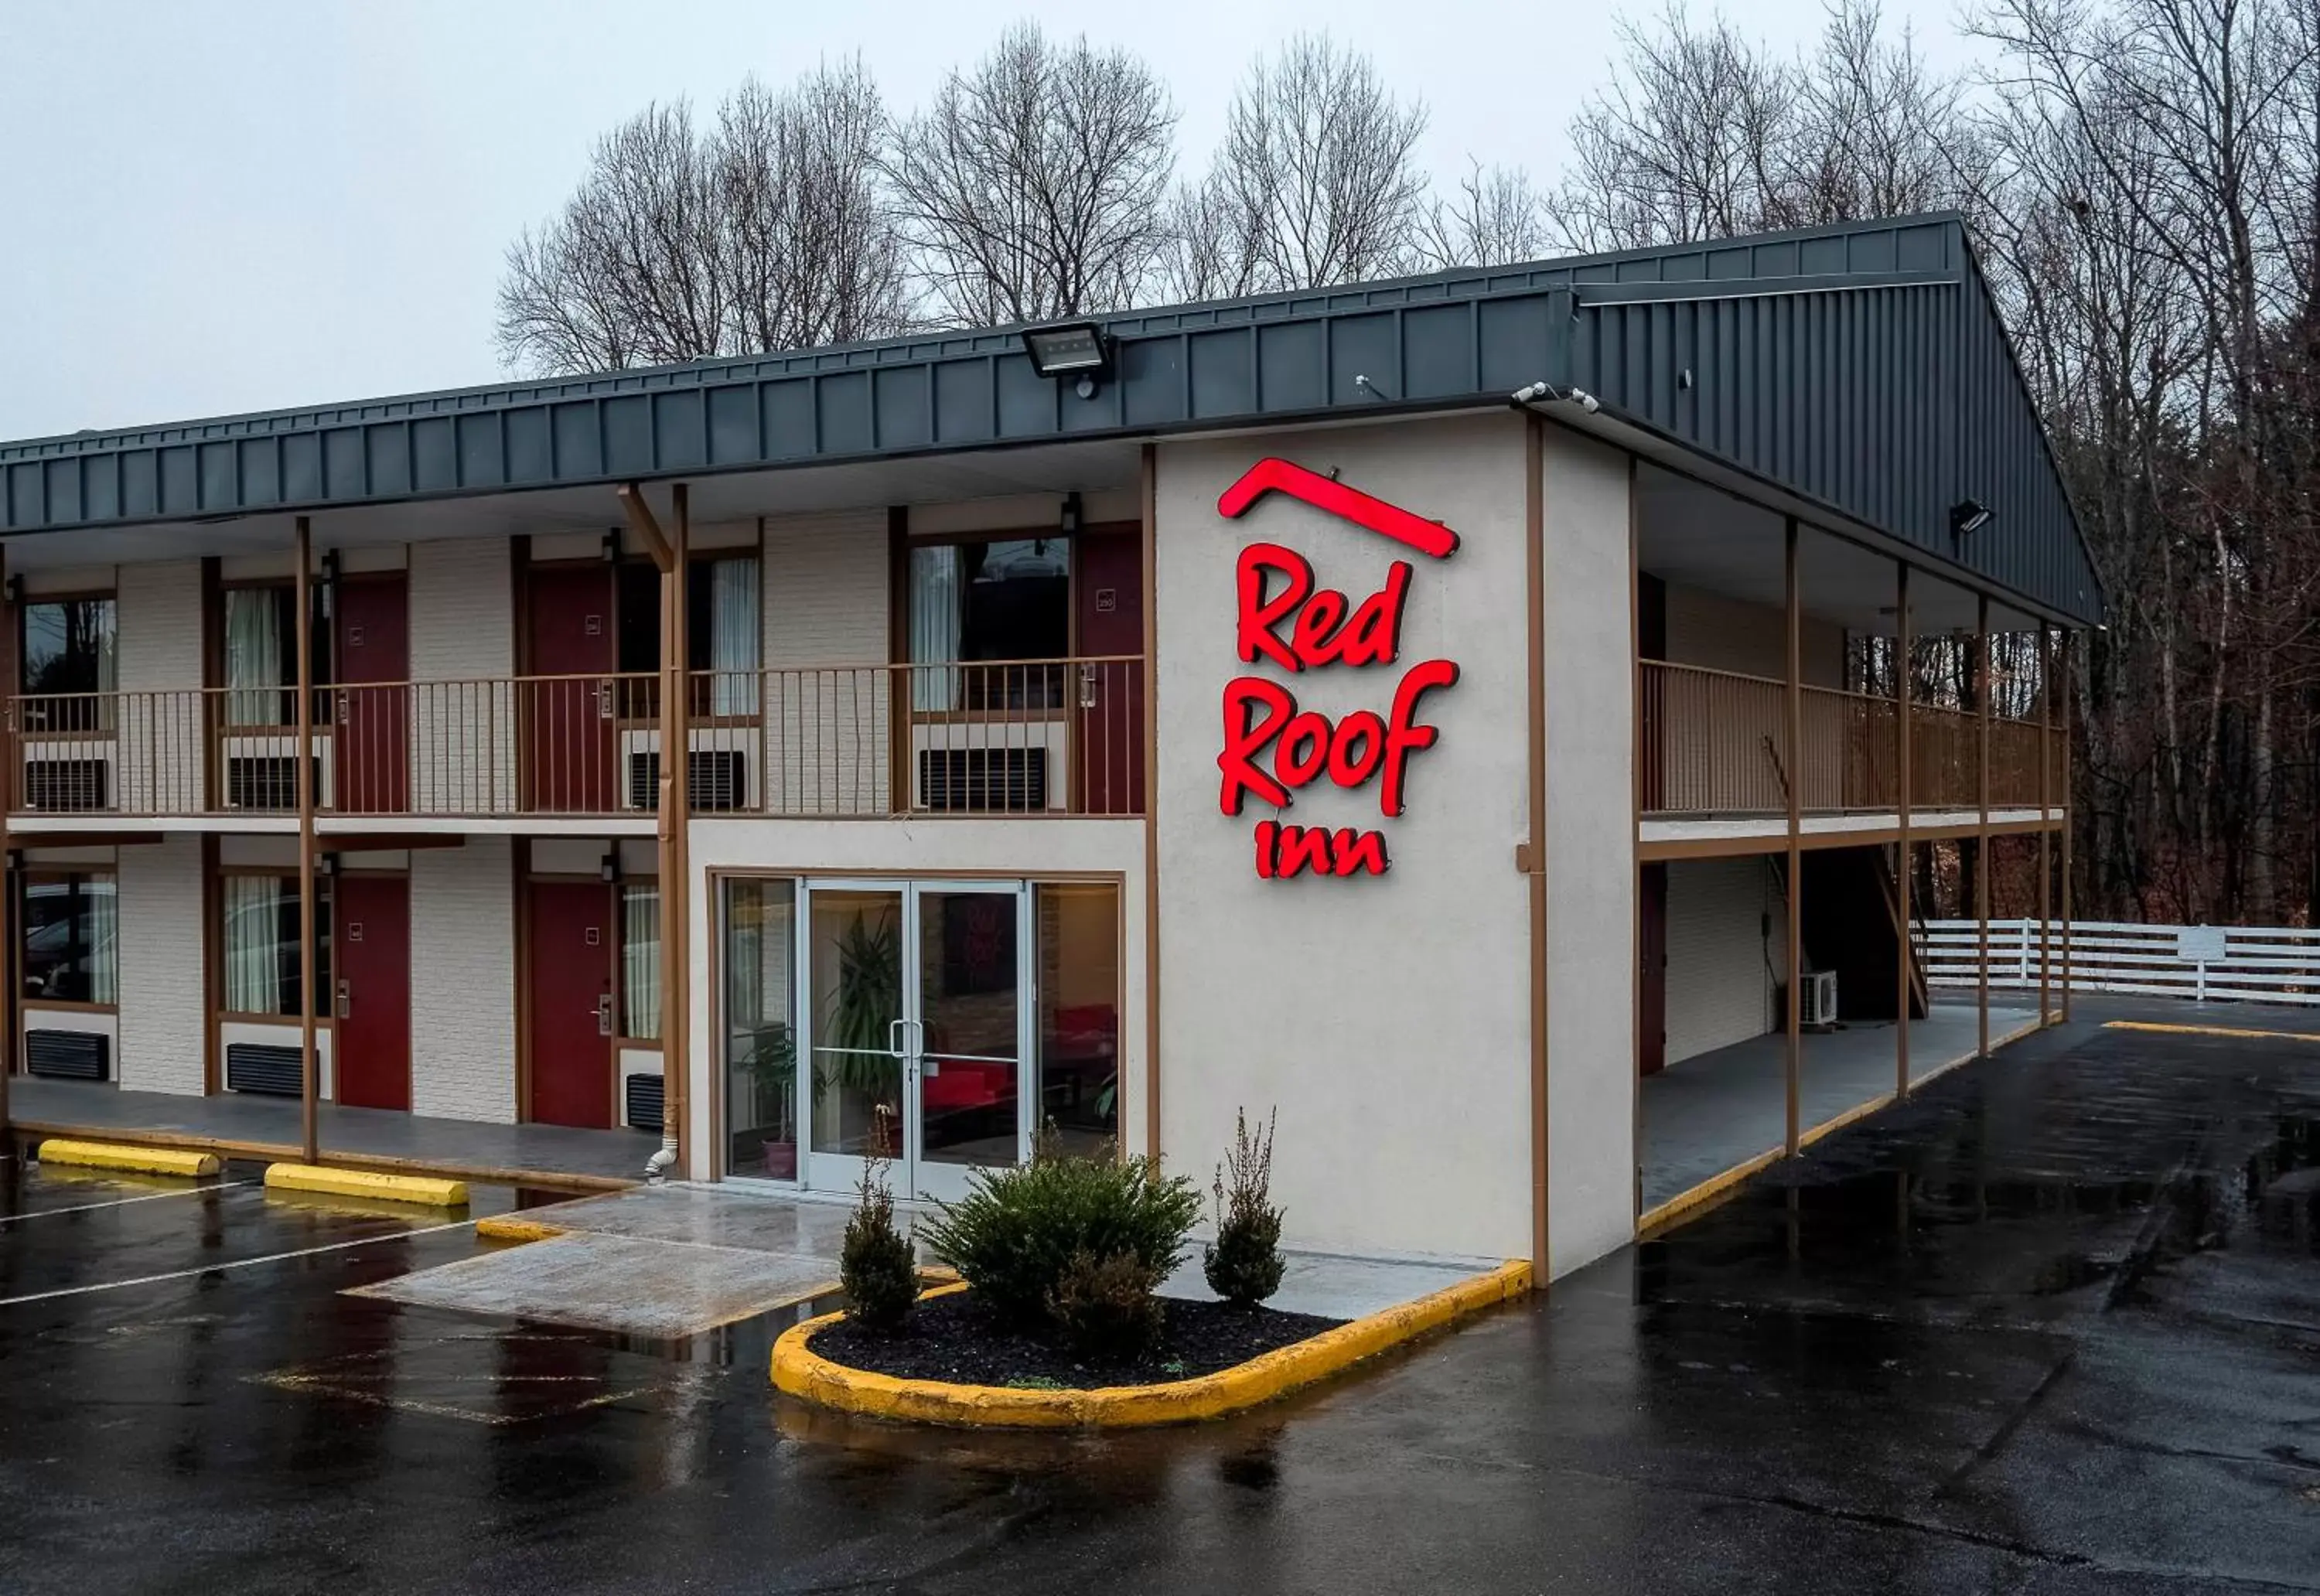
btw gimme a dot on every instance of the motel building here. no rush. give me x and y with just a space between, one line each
1442 710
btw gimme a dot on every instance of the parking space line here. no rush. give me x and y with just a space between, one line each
2213 1030
115 1286
10 1219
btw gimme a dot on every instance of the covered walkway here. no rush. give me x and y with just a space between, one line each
1727 1110
268 1127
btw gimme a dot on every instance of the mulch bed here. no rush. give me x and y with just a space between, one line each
951 1338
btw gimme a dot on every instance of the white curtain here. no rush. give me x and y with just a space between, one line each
936 615
733 637
640 961
103 964
253 942
253 658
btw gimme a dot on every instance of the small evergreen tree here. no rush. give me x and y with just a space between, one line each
875 1266
1244 1264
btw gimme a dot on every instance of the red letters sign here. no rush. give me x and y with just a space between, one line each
1272 748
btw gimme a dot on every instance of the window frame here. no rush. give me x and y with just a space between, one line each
322 648
76 877
101 722
641 700
904 586
325 1011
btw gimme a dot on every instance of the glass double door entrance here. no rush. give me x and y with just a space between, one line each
916 1019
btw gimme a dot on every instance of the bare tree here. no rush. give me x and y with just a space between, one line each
1494 218
1315 183
765 231
1693 138
1034 185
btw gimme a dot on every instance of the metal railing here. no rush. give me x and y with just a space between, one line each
1715 742
1017 738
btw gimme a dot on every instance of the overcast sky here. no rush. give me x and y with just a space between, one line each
216 207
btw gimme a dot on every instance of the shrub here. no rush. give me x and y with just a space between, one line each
1015 1233
875 1266
1243 1265
1105 1308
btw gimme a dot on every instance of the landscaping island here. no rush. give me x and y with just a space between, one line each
1057 1321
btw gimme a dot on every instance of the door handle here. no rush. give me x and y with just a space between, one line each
604 1015
604 701
346 1000
893 1039
342 696
1087 686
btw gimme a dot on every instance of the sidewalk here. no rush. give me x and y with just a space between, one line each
268 1127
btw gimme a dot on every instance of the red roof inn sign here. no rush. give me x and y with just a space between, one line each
1272 748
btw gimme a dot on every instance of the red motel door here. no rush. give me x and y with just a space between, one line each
1108 716
370 1039
571 992
373 774
566 709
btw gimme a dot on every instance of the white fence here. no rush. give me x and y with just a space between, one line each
2259 963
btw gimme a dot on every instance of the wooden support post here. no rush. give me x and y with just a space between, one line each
1901 819
1794 773
672 804
2045 834
2070 817
310 1074
11 769
676 849
1983 674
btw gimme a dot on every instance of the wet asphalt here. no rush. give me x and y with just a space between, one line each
2054 1326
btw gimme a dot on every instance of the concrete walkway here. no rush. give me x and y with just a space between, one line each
270 1126
676 1260
1716 1111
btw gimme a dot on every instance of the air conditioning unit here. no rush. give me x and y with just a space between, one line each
265 1068
268 781
983 780
715 779
641 1098
70 784
1818 992
67 1054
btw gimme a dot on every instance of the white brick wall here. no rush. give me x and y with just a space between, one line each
1720 990
161 936
463 982
463 733
157 620
825 604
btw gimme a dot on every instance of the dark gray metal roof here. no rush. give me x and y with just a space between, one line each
1863 367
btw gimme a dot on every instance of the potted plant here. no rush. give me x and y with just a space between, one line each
771 1059
862 1010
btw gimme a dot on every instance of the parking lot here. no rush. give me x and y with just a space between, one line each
2052 1326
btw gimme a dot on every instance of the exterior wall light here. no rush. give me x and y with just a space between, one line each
1069 349
1969 515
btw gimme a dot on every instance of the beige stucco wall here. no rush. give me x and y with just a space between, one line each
1591 872
1386 1019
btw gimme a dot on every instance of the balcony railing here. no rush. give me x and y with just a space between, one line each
1061 737
1715 743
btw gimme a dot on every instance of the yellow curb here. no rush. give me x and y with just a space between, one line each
508 1227
98 1155
798 1372
2212 1031
363 1183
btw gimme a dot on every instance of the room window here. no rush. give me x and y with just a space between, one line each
261 944
261 654
972 604
641 960
68 930
722 631
67 651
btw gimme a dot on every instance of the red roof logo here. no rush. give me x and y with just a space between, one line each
1271 476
